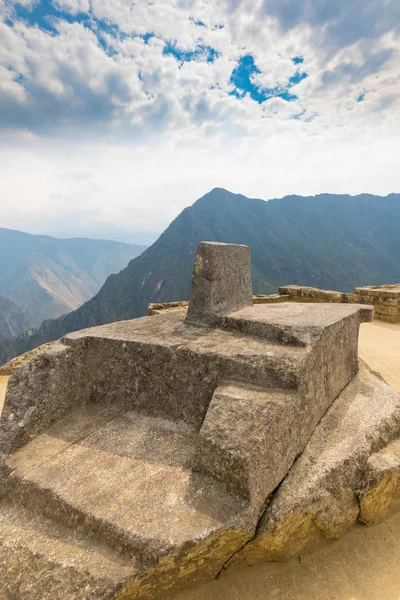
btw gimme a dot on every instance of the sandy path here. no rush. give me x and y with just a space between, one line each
380 348
3 387
364 565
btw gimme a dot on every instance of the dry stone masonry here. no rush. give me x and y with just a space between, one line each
145 456
385 299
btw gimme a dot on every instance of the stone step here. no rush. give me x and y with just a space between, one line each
128 483
347 470
292 324
164 367
249 439
43 559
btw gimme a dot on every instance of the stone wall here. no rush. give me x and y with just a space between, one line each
385 299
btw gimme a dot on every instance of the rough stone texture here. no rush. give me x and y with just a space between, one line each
138 414
385 299
317 501
38 394
293 324
16 363
144 456
221 282
270 299
310 294
167 368
248 439
159 308
379 495
43 559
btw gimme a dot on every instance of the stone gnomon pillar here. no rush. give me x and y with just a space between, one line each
221 282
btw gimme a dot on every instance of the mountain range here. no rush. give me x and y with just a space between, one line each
12 320
46 277
329 241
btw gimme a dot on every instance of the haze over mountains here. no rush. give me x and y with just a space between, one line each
12 319
328 241
46 277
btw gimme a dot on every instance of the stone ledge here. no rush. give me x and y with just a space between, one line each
17 363
161 307
158 308
385 299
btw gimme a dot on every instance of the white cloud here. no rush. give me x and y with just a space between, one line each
73 6
99 122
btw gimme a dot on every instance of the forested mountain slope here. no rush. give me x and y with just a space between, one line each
328 241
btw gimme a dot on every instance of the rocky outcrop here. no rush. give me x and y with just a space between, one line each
320 498
15 364
379 493
144 456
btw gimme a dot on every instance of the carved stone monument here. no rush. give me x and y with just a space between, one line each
221 282
143 456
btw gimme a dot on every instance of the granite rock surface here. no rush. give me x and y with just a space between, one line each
144 456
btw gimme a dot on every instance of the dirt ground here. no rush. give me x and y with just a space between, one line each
364 565
380 348
3 387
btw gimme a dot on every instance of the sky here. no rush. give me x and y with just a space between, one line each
115 115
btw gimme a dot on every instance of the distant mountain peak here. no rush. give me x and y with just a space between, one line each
47 277
329 241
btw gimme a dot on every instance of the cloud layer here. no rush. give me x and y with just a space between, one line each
106 93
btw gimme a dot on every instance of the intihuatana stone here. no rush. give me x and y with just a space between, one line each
221 282
143 456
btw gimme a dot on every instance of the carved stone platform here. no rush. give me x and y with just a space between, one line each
144 456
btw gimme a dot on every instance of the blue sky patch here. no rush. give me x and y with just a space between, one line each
361 97
298 60
241 78
147 36
40 14
201 53
198 23
297 117
44 15
296 78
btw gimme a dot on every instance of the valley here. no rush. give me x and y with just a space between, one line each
47 277
329 241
